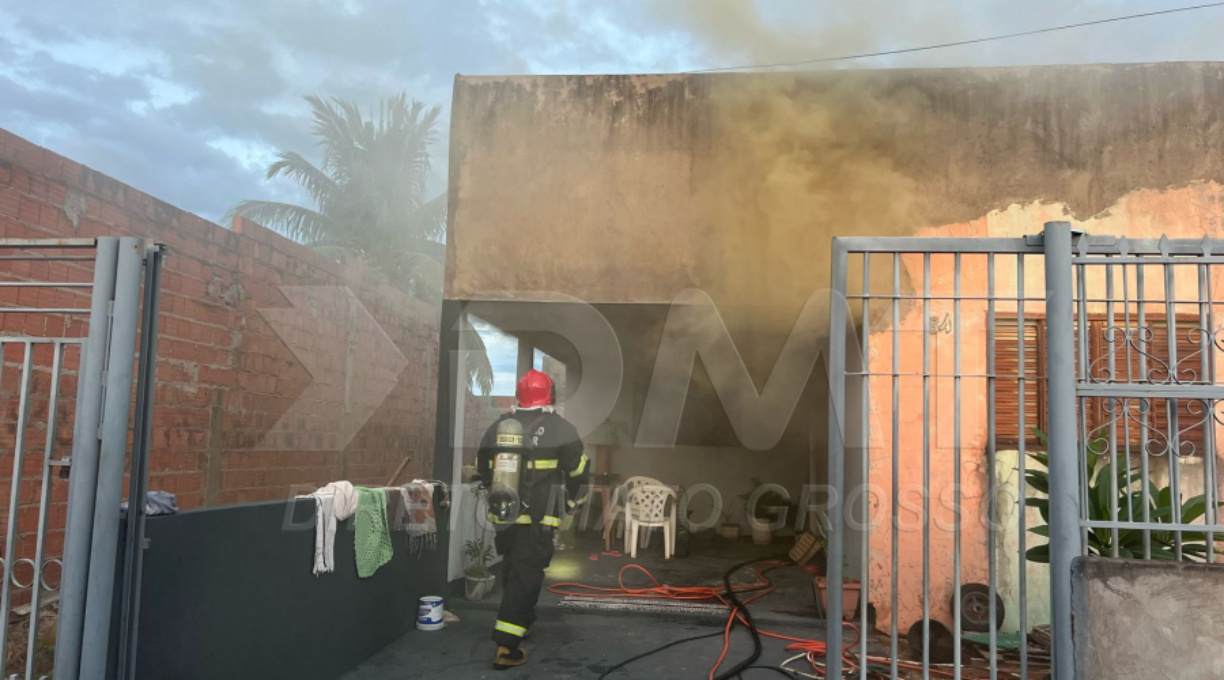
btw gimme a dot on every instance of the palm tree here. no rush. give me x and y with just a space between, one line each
370 200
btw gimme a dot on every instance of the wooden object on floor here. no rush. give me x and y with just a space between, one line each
806 547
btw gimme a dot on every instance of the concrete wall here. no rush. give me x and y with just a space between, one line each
633 188
1147 620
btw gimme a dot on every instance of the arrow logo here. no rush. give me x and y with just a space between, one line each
352 361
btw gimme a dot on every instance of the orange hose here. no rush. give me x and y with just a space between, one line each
658 590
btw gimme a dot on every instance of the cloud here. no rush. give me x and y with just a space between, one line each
185 100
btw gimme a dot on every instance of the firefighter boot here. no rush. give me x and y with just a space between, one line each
508 657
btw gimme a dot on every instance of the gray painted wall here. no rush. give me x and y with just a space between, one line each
228 593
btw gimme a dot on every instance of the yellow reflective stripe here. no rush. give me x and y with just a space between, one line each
582 463
542 464
510 628
551 521
521 519
582 500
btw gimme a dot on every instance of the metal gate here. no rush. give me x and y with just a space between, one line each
55 286
1106 344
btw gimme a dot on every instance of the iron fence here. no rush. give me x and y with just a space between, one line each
934 448
1149 486
69 312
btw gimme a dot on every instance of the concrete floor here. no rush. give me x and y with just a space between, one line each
572 642
569 641
567 644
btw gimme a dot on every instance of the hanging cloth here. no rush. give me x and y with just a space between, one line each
418 515
372 542
336 501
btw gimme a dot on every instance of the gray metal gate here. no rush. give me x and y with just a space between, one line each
1123 380
53 292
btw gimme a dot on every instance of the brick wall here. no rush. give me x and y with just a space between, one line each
236 339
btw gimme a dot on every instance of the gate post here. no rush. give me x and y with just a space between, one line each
1063 447
837 459
112 454
83 480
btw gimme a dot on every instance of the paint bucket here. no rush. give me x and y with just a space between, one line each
429 615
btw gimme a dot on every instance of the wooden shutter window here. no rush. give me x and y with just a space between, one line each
1007 384
1192 420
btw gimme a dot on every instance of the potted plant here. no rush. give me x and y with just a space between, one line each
478 580
1120 486
730 530
769 505
851 590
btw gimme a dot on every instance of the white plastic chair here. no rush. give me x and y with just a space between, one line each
648 507
619 499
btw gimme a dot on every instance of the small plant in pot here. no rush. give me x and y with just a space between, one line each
851 590
729 530
478 580
770 506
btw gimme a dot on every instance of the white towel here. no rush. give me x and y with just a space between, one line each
325 534
336 501
346 498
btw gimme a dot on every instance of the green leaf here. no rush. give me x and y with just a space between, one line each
1092 454
1194 546
1193 509
1159 552
1038 553
1163 511
1097 541
1104 495
1038 480
1043 530
1037 502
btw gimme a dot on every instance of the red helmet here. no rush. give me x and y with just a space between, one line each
535 388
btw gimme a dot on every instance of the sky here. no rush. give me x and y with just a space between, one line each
189 100
502 349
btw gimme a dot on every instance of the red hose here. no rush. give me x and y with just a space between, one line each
656 590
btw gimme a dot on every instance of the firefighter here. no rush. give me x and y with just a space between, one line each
552 481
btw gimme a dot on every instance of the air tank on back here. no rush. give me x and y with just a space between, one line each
504 501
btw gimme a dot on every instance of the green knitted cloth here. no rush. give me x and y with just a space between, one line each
373 540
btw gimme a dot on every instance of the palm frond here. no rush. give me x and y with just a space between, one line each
429 220
322 189
298 223
479 370
369 191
